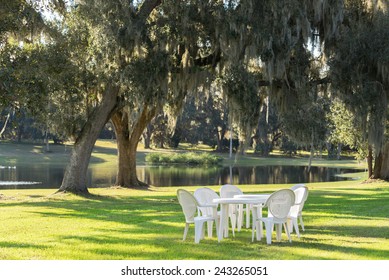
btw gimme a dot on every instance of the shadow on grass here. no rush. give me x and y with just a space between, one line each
352 231
356 252
22 245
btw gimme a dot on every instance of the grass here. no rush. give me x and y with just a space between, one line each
344 220
347 220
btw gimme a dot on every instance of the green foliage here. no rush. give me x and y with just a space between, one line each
202 119
359 69
346 128
243 93
288 147
305 121
183 158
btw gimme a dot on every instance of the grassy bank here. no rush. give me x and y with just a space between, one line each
344 220
189 158
105 151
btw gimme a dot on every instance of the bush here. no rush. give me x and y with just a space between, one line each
183 158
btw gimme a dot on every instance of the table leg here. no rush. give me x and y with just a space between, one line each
257 213
260 231
223 221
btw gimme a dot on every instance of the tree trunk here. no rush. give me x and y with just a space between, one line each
339 152
370 162
312 152
75 178
384 174
20 131
377 166
175 139
263 128
5 125
120 123
221 131
127 146
147 137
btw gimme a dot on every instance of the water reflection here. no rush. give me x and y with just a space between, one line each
44 176
187 176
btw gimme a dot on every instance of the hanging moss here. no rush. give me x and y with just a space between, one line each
359 68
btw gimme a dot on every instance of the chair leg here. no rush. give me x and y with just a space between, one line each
287 233
185 231
302 223
203 228
233 219
260 230
209 229
278 231
296 227
269 230
289 223
217 223
199 231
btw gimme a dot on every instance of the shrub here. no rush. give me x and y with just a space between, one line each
183 158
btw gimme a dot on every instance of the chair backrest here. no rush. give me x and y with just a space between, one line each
295 187
280 202
188 203
301 195
205 196
227 191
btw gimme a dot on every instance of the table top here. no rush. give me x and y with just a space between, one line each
260 196
258 199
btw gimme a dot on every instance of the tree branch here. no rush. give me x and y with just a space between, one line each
145 10
280 83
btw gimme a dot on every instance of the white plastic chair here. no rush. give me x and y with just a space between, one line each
189 206
235 211
297 186
204 197
295 214
278 204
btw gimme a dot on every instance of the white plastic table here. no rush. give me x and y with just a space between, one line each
239 199
259 196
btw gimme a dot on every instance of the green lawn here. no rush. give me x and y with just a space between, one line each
344 220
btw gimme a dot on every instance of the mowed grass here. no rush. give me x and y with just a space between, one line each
344 221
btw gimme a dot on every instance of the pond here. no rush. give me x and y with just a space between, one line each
44 176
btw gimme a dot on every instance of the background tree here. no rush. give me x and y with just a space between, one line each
112 32
203 119
345 129
359 75
268 131
198 33
181 47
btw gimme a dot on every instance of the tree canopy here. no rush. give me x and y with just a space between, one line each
75 65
